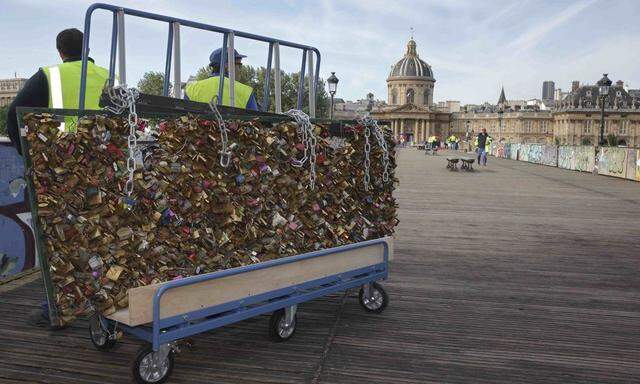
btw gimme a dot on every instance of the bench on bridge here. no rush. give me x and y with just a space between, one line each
467 163
452 163
429 150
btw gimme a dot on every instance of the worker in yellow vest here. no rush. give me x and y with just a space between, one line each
58 86
205 91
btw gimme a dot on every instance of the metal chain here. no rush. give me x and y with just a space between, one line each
225 152
124 98
367 161
369 123
307 136
379 133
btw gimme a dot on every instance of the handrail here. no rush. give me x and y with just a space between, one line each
173 43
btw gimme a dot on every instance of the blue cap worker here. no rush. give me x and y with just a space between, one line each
206 90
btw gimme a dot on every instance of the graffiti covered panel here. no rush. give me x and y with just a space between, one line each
17 243
612 162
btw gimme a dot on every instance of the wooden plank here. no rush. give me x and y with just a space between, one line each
235 287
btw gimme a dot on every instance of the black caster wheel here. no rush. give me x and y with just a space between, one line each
377 301
153 367
279 330
102 338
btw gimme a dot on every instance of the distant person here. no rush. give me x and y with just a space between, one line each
487 149
58 86
481 143
206 90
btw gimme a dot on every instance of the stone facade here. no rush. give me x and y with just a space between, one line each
511 127
572 119
9 89
410 112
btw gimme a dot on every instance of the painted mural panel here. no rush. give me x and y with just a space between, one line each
638 165
566 157
535 153
612 161
17 243
632 164
585 158
550 155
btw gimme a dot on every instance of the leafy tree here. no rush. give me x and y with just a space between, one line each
3 120
255 78
612 140
586 141
152 83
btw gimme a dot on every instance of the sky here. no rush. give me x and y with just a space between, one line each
474 47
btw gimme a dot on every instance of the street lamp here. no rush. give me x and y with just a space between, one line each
333 86
603 85
500 127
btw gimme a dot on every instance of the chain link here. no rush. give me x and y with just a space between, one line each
225 151
307 135
369 123
367 161
123 98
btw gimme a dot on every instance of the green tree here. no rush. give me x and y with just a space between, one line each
612 140
3 120
255 77
152 83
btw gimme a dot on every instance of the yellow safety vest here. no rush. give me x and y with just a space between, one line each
64 88
204 91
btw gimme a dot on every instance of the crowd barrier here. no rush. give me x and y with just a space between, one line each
17 241
611 161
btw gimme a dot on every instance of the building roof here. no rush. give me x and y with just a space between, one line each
502 100
588 96
411 65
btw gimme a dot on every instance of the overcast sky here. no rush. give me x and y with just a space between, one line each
473 46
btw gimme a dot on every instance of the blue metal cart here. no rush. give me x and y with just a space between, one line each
154 362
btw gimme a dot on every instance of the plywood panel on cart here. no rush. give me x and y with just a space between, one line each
246 284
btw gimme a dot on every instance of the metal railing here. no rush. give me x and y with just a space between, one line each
226 60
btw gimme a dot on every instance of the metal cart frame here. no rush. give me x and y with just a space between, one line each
155 359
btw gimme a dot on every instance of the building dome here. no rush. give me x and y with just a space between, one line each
411 65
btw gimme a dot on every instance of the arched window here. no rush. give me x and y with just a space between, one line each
410 94
425 100
394 96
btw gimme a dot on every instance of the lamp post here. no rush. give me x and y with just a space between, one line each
500 127
333 86
603 89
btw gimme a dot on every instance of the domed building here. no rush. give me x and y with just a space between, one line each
411 80
410 110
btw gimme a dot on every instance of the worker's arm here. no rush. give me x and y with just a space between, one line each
252 105
35 93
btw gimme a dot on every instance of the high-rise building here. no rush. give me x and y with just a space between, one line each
548 89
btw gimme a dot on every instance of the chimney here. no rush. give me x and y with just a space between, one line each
575 84
619 83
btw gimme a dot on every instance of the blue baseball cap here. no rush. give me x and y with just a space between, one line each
214 58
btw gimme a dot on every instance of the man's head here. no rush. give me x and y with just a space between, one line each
484 130
214 60
69 43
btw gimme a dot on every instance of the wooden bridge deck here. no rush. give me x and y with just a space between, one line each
517 273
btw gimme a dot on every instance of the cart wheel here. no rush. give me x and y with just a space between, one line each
150 367
101 338
378 300
279 330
